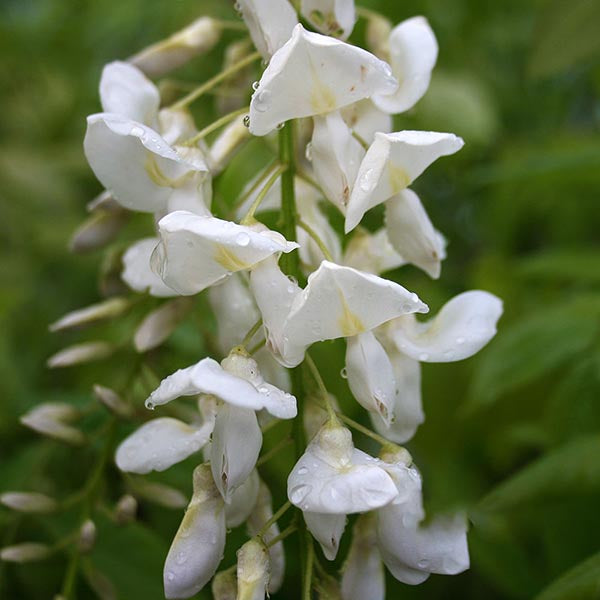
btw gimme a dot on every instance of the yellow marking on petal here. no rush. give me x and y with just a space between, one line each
399 178
322 99
228 260
158 177
349 323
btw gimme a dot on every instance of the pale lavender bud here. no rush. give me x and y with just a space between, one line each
30 502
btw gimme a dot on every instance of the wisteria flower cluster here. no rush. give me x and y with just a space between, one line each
326 106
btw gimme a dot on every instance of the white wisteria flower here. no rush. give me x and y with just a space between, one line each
313 74
392 162
365 119
331 17
413 52
461 328
197 251
337 302
372 252
270 23
197 548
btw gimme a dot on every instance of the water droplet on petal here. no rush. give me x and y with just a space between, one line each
344 373
255 85
460 340
170 576
242 239
302 471
366 181
423 356
308 151
299 493
423 563
137 131
246 121
262 101
149 405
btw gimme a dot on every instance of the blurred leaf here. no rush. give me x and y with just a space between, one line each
580 265
570 469
533 346
579 583
566 35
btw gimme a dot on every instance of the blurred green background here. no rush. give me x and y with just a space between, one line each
513 434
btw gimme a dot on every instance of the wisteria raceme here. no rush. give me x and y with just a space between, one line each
275 292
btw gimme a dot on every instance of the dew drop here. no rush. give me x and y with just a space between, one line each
262 101
423 356
308 151
149 405
170 576
181 558
302 471
423 563
344 373
299 493
255 85
366 180
242 239
280 126
137 131
460 340
246 121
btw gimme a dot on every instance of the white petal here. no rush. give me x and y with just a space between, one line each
137 273
341 302
176 126
160 323
333 477
272 371
197 38
412 234
363 575
252 570
314 74
313 416
208 377
126 91
370 375
274 294
331 17
236 444
336 157
135 164
198 545
159 444
407 408
372 252
235 311
392 163
262 512
227 144
327 529
413 52
366 119
197 251
243 500
460 329
270 23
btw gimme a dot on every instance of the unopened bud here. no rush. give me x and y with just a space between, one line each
224 585
391 453
113 307
30 502
112 401
87 536
25 552
126 509
97 231
252 570
160 58
378 35
159 324
232 94
159 493
80 353
105 201
52 419
314 415
230 141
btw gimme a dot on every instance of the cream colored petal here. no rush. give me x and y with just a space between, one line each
243 501
314 74
412 234
160 323
372 252
392 163
197 251
366 119
413 52
331 17
461 328
327 529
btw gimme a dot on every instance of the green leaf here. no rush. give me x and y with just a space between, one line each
566 35
570 469
579 583
534 346
579 266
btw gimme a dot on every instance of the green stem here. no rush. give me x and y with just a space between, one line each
257 347
213 81
216 125
248 337
278 514
360 140
365 430
249 217
274 451
321 385
289 262
259 180
285 533
317 240
308 568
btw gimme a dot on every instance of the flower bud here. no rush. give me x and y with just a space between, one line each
252 570
112 401
224 585
80 353
51 419
104 201
87 536
113 307
198 546
159 493
159 324
378 34
160 58
30 502
25 552
97 231
126 509
227 144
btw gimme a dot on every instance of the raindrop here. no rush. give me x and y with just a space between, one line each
299 493
374 497
308 151
280 126
423 356
302 471
262 101
181 558
460 340
137 131
246 121
149 405
366 180
255 85
423 563
242 239
170 576
344 373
